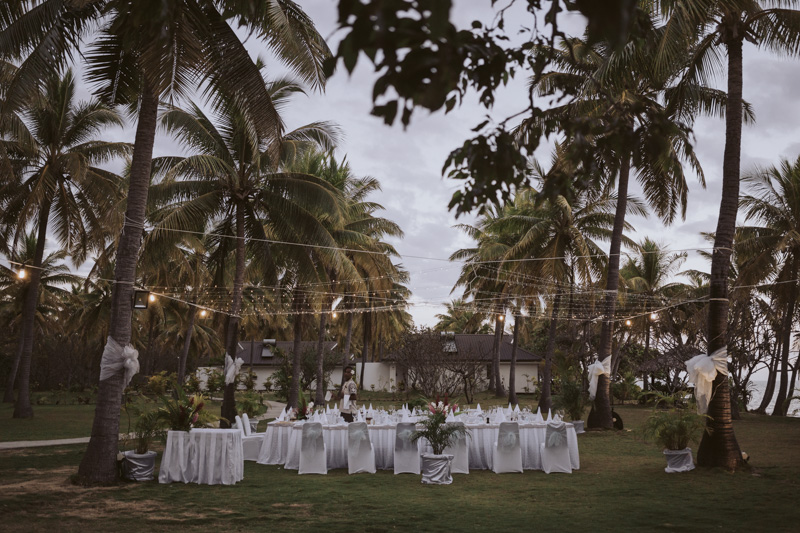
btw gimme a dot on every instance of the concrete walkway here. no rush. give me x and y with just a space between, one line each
273 411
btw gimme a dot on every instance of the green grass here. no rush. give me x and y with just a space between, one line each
621 486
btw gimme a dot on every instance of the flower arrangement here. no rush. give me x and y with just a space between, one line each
436 430
184 412
304 408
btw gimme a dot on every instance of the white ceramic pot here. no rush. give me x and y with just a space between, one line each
139 467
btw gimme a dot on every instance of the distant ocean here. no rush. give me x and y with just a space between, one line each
758 394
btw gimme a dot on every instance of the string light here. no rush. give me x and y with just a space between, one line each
203 313
628 322
334 314
152 297
653 316
21 274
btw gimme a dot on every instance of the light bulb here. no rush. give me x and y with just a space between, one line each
334 315
203 313
628 322
653 316
21 274
152 298
501 318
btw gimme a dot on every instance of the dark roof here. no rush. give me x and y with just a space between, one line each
263 353
479 346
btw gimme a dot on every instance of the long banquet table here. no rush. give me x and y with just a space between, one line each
208 456
282 445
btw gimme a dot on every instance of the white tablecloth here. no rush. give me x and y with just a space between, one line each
276 442
480 440
208 456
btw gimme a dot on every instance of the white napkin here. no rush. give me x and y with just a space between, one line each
501 417
478 408
450 417
370 407
405 417
282 416
327 409
549 415
539 415
516 408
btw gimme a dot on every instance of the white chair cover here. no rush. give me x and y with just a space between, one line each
554 449
251 444
360 453
406 452
460 453
507 453
248 430
313 459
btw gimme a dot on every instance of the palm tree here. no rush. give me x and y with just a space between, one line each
232 180
143 53
61 181
711 25
646 275
649 111
559 237
459 317
774 200
13 295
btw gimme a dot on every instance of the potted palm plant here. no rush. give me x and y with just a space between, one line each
139 464
674 428
440 435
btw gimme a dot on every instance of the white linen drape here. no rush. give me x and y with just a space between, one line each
115 358
702 370
597 369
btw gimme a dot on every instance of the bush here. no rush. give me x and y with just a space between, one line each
572 399
192 384
252 403
249 380
675 427
626 388
159 384
215 381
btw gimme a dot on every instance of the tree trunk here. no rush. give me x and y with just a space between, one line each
498 338
512 375
365 347
228 409
22 408
8 396
99 463
187 342
347 339
297 357
769 390
718 446
320 398
786 342
600 415
545 400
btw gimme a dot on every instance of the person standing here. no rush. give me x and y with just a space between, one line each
350 388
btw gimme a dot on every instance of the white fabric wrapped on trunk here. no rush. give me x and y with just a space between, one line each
115 358
232 368
702 370
597 369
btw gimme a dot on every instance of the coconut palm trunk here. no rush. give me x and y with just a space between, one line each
228 409
347 340
99 462
8 396
297 357
319 399
600 415
786 341
498 337
769 390
546 400
718 446
512 375
187 342
365 347
22 408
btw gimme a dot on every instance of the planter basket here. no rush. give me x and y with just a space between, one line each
139 467
436 469
578 426
679 460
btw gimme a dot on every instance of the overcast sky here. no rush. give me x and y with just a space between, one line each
408 162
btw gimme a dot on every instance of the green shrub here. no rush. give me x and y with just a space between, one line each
572 399
673 428
626 388
249 380
215 381
192 384
159 384
252 403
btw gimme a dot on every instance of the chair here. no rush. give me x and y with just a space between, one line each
313 456
360 453
507 452
251 444
406 452
460 451
248 425
555 452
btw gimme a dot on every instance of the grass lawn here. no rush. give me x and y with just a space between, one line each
621 486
